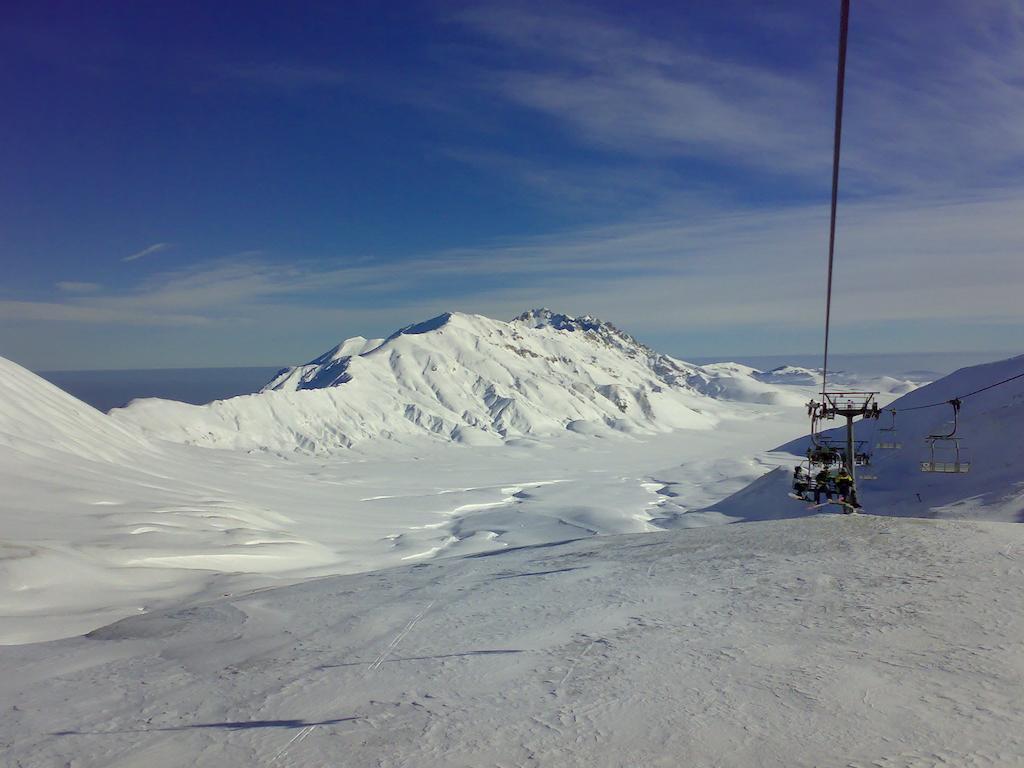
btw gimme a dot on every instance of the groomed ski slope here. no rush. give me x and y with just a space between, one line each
826 641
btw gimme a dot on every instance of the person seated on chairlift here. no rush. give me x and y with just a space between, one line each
844 485
822 484
799 481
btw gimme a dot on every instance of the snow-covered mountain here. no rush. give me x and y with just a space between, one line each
469 379
587 345
792 375
524 639
458 377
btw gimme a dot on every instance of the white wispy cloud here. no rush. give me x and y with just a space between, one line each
93 313
73 286
900 261
614 185
638 95
934 100
940 262
148 251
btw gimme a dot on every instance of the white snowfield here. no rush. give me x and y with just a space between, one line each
829 641
470 613
102 520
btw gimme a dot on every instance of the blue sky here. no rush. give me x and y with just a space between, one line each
244 184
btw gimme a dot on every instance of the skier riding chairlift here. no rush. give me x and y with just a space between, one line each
844 486
822 485
800 481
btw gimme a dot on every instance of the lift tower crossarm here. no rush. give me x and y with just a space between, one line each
849 405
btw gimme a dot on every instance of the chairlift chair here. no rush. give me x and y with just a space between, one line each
945 454
887 435
824 456
861 456
821 451
824 452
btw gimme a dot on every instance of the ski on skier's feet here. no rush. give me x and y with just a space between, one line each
848 508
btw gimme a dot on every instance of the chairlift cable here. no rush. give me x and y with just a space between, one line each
960 397
821 453
991 386
844 25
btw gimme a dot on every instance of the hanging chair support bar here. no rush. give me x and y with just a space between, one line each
955 402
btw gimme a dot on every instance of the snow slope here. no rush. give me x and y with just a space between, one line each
990 423
98 522
829 640
39 419
473 380
821 642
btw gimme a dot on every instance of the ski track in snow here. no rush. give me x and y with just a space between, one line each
399 637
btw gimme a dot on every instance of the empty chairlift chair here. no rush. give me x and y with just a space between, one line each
823 456
945 454
862 458
887 439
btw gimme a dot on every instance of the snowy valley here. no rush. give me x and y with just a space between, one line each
475 542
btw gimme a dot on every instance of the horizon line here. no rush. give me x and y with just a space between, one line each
710 358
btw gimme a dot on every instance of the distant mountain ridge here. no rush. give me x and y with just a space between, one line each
470 379
333 367
330 368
